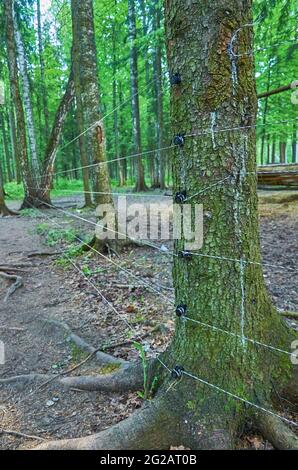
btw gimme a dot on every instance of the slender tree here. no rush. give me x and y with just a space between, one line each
17 99
42 72
196 410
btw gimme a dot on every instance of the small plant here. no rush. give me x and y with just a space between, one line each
148 390
30 213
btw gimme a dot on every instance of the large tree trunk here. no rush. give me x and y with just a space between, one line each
140 183
76 59
199 410
82 13
15 90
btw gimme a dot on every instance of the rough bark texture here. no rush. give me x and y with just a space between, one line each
51 150
83 12
42 72
217 91
16 96
27 100
140 184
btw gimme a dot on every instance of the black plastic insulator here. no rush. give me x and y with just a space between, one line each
177 372
180 197
185 254
181 310
178 140
176 79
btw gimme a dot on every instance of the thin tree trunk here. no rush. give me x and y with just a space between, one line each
140 183
294 144
42 73
5 145
282 152
14 83
27 102
160 176
51 149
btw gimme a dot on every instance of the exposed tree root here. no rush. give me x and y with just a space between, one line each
5 212
289 314
278 433
127 379
149 428
101 357
18 283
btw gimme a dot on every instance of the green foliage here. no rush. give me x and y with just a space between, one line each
149 388
55 236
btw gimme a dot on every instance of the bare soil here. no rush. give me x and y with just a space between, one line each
54 290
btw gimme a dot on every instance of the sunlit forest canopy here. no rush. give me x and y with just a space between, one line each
46 31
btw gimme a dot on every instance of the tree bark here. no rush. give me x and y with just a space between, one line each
27 102
196 410
42 73
51 149
82 12
15 90
134 79
282 152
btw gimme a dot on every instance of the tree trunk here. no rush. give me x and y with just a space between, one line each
42 74
27 102
196 410
51 149
82 12
14 84
5 147
140 183
81 125
13 140
282 152
4 211
294 145
160 166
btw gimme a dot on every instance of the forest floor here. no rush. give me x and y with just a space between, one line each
54 290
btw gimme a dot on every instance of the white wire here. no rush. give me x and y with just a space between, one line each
145 283
234 260
238 336
236 397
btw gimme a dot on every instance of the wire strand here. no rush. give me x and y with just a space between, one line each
253 341
236 397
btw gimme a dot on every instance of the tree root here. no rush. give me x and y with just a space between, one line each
147 429
101 357
127 379
18 283
276 432
289 314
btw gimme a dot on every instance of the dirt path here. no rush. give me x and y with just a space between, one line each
58 292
